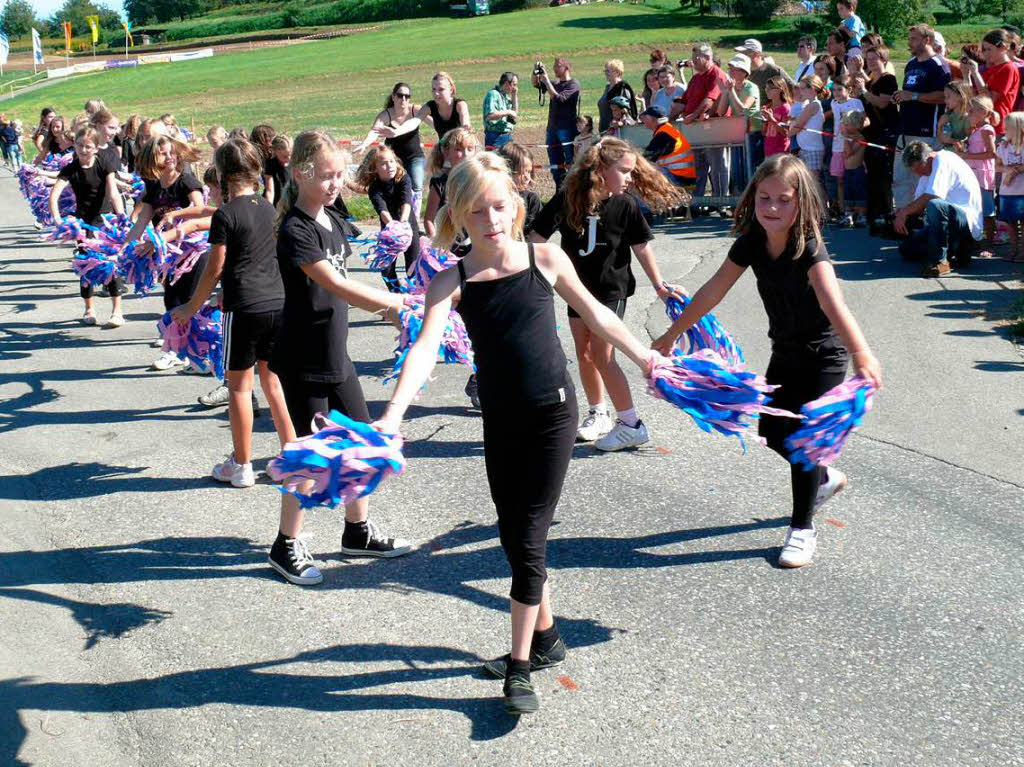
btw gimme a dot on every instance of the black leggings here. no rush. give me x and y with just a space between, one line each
527 452
180 293
115 287
801 378
307 398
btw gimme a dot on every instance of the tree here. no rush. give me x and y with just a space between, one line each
758 11
17 18
963 9
76 12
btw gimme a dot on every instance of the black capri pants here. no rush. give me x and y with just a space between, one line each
307 398
527 452
802 374
115 287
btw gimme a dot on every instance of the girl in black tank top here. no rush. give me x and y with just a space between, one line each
441 125
443 87
504 289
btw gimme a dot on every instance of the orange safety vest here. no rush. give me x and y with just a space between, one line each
679 162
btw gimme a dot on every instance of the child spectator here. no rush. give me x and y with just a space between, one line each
954 126
842 103
807 127
520 165
620 116
855 177
776 114
216 136
585 137
1010 163
850 20
980 154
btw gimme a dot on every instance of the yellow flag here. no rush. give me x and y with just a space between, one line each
94 26
128 32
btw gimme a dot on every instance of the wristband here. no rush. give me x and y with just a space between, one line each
915 95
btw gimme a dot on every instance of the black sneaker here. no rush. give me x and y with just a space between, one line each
472 391
538 660
371 541
291 558
520 697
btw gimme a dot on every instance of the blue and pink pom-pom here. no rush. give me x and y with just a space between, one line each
828 423
200 342
455 347
344 459
706 333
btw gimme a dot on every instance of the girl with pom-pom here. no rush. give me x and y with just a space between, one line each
170 185
244 258
94 182
311 353
603 227
813 333
390 191
504 288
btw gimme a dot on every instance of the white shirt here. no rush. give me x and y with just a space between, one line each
811 142
838 110
803 69
953 180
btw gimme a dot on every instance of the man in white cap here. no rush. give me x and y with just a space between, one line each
762 70
939 46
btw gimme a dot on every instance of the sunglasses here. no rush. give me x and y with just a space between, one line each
403 95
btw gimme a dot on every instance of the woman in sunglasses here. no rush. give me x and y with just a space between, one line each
398 125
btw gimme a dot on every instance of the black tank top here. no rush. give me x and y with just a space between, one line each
441 125
511 322
405 147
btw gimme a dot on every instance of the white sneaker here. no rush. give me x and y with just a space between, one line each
622 436
836 481
88 318
166 361
238 474
594 426
157 343
799 547
115 321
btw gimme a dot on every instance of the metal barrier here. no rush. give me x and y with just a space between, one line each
728 133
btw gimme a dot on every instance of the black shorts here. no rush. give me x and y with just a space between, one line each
248 337
307 398
617 305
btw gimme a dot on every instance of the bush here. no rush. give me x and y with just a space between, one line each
758 11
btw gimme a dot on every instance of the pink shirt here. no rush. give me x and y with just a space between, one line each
776 141
985 170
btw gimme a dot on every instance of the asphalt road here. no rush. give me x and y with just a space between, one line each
140 624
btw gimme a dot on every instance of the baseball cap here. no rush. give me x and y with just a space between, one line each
750 44
655 111
939 40
739 61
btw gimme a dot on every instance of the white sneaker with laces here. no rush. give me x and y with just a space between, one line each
238 474
798 550
622 437
836 481
594 426
216 397
115 321
166 361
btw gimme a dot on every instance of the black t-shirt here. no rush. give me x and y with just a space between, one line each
273 168
391 195
173 197
918 118
112 157
601 254
313 344
90 188
251 277
795 318
885 123
533 206
128 150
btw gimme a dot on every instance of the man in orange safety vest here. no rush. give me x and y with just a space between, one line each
669 149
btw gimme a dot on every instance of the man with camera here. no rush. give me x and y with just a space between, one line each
563 107
500 107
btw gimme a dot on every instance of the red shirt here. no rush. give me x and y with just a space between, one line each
1003 80
702 86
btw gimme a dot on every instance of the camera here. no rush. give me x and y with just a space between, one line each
538 69
683 63
511 119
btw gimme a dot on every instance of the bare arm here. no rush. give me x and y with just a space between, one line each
114 195
433 204
268 189
645 255
823 279
422 357
145 215
356 293
703 301
214 266
403 214
463 110
55 198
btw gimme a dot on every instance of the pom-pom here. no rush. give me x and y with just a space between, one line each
829 422
706 333
345 459
70 229
200 342
182 255
393 239
455 347
430 262
93 268
144 270
138 187
717 396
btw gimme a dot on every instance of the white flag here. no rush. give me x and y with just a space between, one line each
5 48
37 47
